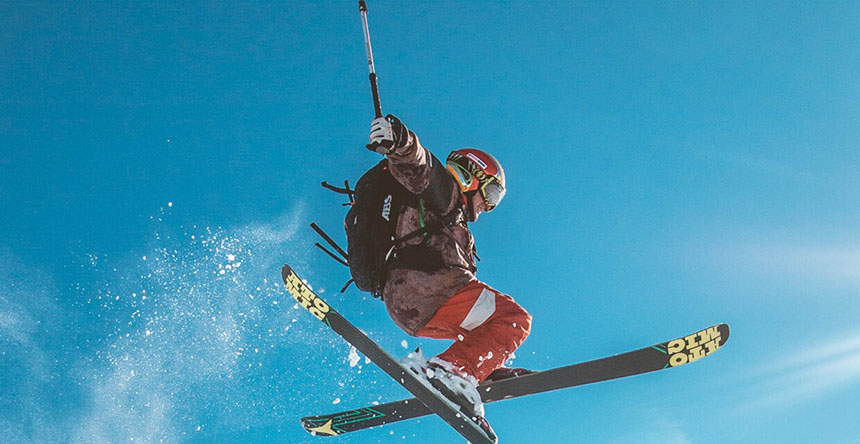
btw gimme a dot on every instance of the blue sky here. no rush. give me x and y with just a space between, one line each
670 165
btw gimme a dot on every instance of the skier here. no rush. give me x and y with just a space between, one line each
431 289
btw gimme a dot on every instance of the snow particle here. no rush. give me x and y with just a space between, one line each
404 344
353 357
336 401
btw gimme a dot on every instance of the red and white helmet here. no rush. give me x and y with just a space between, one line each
476 170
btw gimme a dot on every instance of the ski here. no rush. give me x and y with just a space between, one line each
423 393
661 356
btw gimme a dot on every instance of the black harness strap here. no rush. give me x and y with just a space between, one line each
448 220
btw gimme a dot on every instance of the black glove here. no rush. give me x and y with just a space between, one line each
387 134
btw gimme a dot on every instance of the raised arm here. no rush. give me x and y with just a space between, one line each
414 166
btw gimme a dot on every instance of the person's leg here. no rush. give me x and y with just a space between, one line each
486 326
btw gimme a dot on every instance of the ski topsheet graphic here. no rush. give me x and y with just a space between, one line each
656 357
431 400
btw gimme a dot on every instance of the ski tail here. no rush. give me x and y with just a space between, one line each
353 420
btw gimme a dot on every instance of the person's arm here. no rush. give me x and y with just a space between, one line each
414 166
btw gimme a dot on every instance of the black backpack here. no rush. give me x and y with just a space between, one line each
370 224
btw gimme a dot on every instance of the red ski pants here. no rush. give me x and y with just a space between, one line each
486 326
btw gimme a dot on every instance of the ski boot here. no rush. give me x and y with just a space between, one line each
460 390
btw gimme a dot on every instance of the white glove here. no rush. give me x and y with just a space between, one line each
387 134
381 136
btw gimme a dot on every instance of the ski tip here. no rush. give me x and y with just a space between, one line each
693 347
286 270
724 333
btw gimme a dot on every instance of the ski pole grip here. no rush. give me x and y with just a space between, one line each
375 91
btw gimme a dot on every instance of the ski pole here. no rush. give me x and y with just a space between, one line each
362 8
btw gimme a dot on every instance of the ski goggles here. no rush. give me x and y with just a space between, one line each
492 191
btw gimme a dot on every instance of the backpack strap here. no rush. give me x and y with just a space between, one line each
422 256
350 193
448 220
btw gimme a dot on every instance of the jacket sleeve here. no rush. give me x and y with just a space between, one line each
417 169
